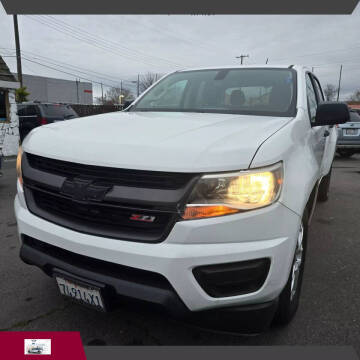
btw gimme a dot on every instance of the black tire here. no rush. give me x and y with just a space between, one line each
346 153
288 300
323 191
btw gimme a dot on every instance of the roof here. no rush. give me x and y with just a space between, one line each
5 74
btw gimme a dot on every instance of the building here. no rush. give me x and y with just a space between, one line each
47 89
9 122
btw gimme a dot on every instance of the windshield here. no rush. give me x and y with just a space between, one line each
255 91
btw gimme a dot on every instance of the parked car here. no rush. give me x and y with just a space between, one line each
348 142
34 114
197 198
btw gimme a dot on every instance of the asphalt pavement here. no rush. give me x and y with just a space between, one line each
329 312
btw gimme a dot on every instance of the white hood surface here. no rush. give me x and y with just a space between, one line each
158 141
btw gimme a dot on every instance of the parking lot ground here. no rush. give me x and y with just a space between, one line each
329 312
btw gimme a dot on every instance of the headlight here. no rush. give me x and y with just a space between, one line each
18 165
229 193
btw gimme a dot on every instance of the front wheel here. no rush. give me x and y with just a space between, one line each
290 296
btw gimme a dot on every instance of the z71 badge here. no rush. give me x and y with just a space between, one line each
145 218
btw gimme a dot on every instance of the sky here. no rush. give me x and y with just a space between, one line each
109 48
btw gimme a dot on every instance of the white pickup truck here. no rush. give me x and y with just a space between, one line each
196 198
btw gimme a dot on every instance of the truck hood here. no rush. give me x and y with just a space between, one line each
163 141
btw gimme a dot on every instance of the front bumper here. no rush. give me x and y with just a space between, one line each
249 318
265 233
348 142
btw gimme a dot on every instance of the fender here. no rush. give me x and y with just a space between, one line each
292 145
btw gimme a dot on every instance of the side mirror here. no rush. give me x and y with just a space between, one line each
331 113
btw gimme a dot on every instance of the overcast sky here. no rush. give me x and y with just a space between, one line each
119 47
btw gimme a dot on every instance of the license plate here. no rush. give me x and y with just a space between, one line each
88 294
351 131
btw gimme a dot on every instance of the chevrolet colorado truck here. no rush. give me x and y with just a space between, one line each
196 198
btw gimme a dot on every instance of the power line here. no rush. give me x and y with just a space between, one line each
71 67
317 54
182 38
92 41
339 63
107 41
73 74
89 41
68 73
83 70
33 59
95 41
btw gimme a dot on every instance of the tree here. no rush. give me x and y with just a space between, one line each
21 94
355 96
112 96
330 92
147 80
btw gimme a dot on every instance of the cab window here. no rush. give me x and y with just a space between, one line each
311 98
318 89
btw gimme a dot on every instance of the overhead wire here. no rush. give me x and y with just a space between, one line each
96 42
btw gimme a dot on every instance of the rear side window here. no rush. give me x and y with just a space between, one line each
62 111
28 110
354 116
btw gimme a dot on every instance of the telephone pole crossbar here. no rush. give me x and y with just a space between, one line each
241 57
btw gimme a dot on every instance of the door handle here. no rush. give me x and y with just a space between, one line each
326 133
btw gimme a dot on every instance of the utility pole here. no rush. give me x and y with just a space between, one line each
77 90
121 93
18 53
102 94
338 94
241 57
138 86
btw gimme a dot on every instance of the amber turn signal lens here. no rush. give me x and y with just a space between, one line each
18 166
198 212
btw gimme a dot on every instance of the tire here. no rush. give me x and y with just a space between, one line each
290 296
323 191
346 153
